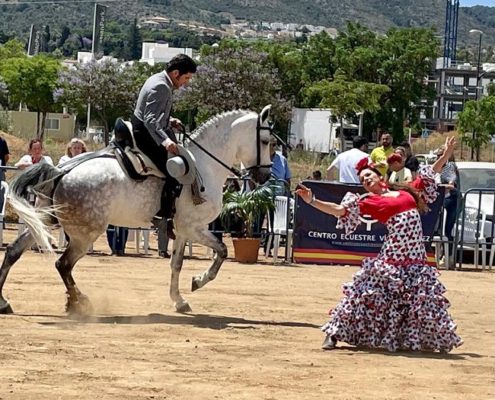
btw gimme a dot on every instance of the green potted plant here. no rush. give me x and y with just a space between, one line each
247 207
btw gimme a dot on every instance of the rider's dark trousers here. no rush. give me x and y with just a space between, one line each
158 154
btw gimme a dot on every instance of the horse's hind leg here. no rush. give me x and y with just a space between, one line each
208 239
181 305
12 254
77 302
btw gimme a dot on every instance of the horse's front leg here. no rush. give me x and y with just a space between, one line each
181 305
208 239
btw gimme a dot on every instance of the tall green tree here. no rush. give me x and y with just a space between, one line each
32 81
134 42
346 98
476 123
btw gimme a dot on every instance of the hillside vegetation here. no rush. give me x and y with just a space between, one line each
377 15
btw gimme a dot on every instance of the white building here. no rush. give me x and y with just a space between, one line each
161 52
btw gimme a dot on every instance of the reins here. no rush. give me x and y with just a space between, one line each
234 170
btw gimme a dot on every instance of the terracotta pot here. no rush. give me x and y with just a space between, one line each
246 250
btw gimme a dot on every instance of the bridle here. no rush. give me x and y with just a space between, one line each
233 170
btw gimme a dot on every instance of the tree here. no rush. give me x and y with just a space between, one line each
31 81
476 123
346 98
400 59
110 88
64 35
233 78
134 42
11 49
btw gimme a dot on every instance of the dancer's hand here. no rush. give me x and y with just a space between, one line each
450 144
304 192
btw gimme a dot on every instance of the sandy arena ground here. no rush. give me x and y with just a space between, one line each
253 334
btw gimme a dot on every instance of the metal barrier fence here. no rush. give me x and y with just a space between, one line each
475 226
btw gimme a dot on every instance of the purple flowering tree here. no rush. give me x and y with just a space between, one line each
111 89
234 78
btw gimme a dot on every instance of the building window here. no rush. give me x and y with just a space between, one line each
53 124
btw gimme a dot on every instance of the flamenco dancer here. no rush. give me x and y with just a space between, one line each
395 300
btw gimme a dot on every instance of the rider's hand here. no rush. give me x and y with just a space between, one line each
172 147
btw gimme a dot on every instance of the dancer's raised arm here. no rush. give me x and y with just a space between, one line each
327 207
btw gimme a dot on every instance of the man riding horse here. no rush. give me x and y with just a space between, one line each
153 126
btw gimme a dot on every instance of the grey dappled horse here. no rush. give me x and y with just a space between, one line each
97 193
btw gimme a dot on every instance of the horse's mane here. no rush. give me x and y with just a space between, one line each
234 114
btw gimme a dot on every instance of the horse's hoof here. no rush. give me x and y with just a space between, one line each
6 309
183 308
194 285
81 307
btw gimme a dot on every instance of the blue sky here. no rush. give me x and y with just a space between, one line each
468 3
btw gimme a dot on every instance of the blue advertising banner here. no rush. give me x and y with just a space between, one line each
318 241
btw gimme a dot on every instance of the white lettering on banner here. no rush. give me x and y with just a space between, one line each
322 235
366 219
358 237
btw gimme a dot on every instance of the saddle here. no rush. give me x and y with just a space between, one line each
132 160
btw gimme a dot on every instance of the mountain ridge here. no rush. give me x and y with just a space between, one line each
375 14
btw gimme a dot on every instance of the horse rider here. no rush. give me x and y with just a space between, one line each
153 126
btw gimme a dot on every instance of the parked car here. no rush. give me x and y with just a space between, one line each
479 175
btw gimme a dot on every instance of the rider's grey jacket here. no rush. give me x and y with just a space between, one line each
154 105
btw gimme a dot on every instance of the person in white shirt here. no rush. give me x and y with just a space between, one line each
346 162
75 147
35 156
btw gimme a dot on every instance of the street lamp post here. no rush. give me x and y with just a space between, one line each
478 90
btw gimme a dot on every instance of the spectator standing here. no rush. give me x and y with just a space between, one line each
4 159
281 174
346 162
449 178
163 243
411 161
117 239
34 156
75 147
4 156
380 154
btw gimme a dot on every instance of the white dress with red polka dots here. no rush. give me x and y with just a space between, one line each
395 300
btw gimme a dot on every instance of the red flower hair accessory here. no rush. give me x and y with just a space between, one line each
364 163
392 158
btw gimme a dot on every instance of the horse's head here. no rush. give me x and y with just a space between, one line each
254 149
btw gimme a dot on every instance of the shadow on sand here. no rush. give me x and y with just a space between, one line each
197 320
408 354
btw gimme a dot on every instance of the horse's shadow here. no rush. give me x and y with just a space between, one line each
198 320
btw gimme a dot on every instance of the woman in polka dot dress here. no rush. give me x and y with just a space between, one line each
395 300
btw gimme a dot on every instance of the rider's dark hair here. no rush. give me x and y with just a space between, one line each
182 63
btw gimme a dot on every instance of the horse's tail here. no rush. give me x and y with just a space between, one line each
41 180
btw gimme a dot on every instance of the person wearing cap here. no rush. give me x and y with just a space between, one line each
153 125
